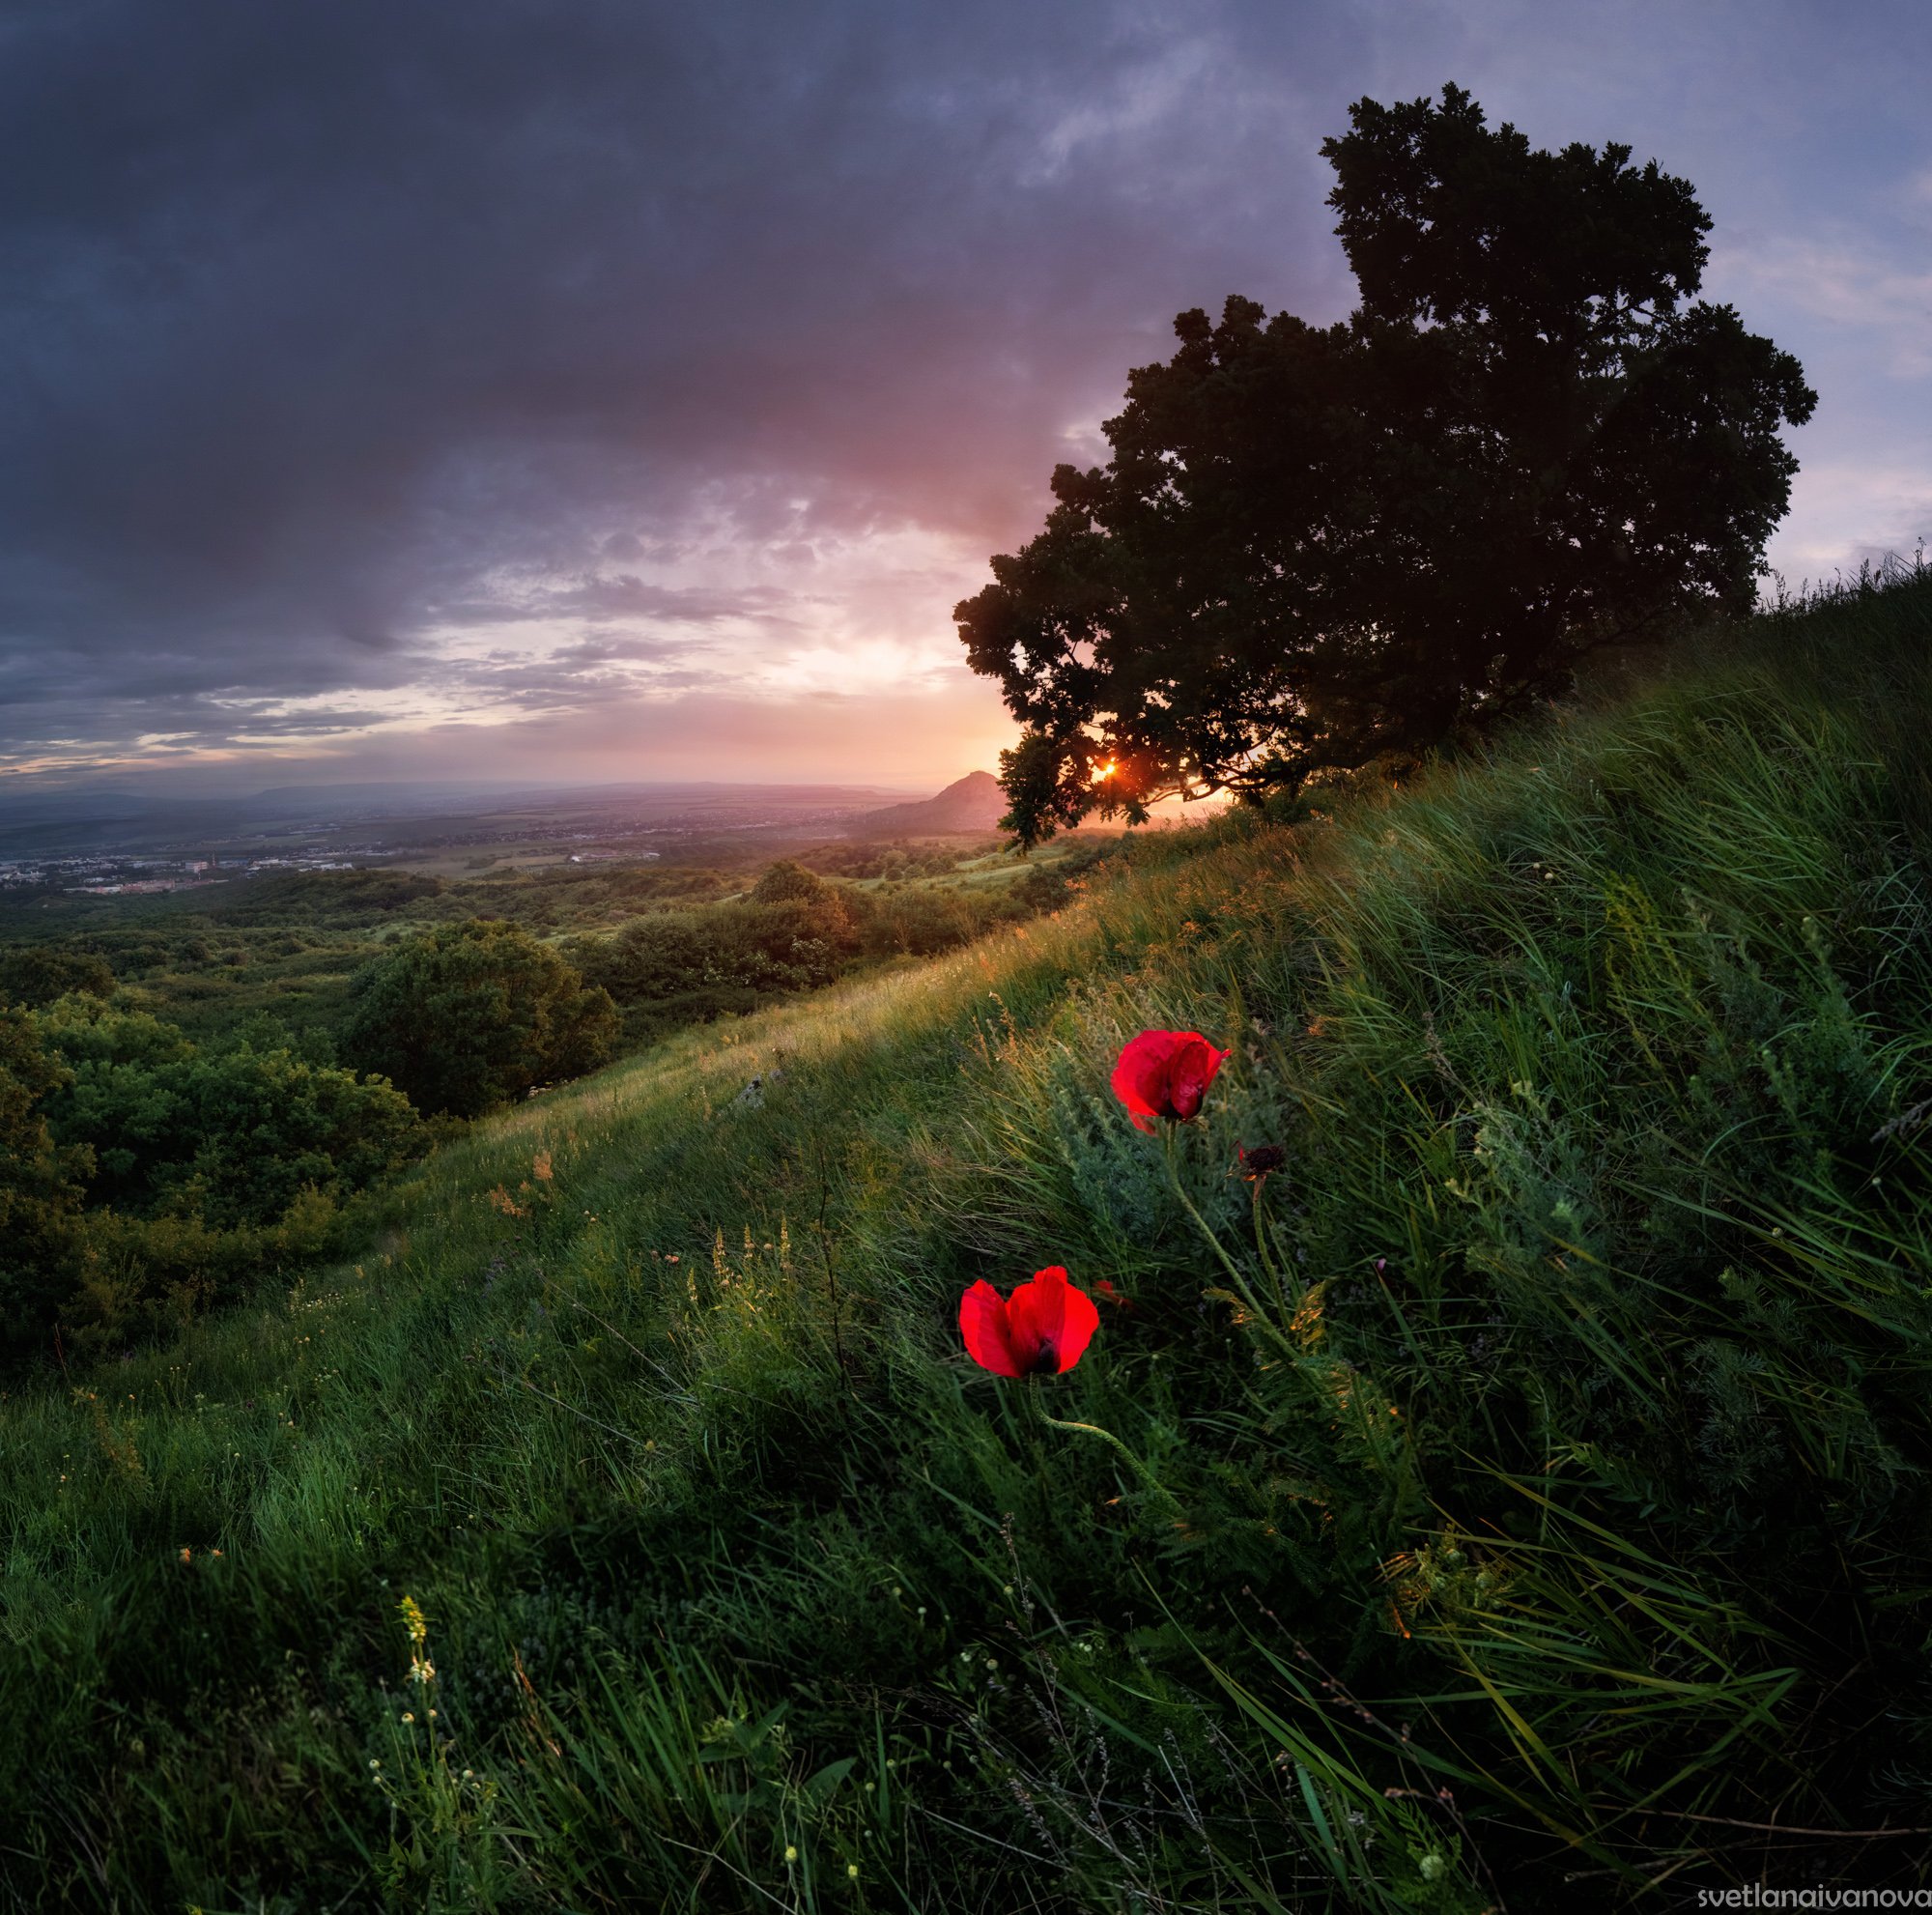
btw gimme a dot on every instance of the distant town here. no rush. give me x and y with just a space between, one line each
113 845
109 876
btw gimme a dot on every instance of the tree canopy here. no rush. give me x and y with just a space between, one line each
1315 548
230 1134
470 1014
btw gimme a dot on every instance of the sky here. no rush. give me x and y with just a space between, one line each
574 390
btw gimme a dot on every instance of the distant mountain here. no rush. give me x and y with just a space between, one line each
973 803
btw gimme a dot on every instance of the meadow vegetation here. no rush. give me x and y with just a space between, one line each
288 945
1520 1496
200 1098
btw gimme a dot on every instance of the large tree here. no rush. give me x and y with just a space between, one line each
1315 548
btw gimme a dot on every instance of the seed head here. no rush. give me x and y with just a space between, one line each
1260 1161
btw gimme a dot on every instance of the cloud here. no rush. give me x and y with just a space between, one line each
1855 511
474 355
324 319
601 599
1848 280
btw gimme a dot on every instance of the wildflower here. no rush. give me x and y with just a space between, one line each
1165 1073
791 1855
851 1872
1260 1161
1040 1331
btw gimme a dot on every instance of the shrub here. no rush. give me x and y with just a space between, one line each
36 974
472 1015
40 1189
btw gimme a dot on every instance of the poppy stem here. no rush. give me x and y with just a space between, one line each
1260 1242
1133 1462
1233 1269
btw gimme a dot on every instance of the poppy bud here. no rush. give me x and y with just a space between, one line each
1040 1331
1165 1073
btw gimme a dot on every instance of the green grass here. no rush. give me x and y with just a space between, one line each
1521 1499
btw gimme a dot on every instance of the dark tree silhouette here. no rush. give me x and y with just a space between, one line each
1317 548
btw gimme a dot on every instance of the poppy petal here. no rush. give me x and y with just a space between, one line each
1033 1319
1195 1063
1141 1075
1052 1321
983 1324
1077 1324
1165 1073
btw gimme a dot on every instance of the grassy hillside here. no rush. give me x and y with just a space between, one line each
1523 1493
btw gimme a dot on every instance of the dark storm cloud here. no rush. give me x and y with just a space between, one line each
333 329
320 315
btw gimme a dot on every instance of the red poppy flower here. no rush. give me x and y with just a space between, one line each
1165 1073
1040 1331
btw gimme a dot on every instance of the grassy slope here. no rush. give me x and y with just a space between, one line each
1552 1432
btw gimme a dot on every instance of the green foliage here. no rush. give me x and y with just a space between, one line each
899 858
792 931
789 883
230 1136
1319 548
676 967
473 1014
331 897
39 1189
36 974
1523 1493
144 1177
